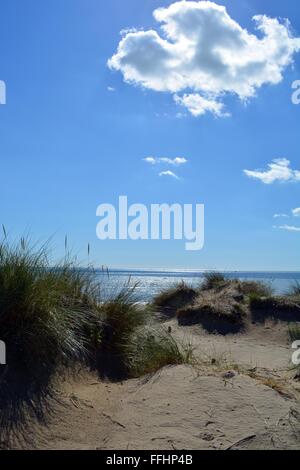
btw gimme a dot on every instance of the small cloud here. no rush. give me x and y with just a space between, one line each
169 161
279 170
173 161
150 160
296 212
289 228
168 173
278 216
110 88
198 105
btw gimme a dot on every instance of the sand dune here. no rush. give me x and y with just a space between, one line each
254 405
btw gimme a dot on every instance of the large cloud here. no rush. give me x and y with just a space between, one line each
203 52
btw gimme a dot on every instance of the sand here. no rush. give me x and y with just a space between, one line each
246 399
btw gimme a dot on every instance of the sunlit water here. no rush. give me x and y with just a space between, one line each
149 283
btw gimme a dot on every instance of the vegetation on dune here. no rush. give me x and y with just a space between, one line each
174 298
44 314
151 349
218 312
223 305
119 319
212 280
255 288
284 308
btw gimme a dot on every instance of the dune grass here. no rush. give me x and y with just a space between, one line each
212 280
119 318
150 349
175 297
256 288
44 313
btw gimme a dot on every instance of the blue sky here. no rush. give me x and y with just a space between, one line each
68 144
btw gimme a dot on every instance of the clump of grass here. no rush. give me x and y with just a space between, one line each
256 288
119 319
212 280
43 315
151 349
174 298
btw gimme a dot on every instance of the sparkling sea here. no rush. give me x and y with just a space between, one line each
150 282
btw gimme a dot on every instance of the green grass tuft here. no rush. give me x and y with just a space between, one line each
44 313
151 349
118 319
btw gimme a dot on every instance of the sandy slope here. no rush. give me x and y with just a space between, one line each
186 408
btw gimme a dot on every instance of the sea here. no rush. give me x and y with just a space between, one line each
148 283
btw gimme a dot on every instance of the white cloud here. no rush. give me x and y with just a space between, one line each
279 170
110 88
205 54
168 173
169 161
296 212
174 161
289 228
278 216
197 105
150 160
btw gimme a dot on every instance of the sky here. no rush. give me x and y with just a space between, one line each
92 114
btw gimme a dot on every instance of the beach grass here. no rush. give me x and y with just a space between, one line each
118 319
44 313
212 280
150 349
170 300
